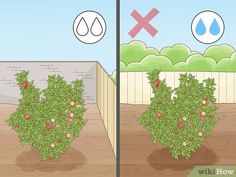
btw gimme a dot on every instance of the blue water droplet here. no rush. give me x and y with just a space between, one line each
200 28
215 28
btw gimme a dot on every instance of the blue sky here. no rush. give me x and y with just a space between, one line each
174 21
42 30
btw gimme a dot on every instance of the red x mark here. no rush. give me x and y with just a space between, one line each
143 22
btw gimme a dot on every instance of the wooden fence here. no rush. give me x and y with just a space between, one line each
106 101
135 87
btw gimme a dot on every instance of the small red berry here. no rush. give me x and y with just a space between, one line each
156 83
49 126
27 117
71 115
181 124
158 115
25 85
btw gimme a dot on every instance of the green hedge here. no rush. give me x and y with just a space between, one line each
135 56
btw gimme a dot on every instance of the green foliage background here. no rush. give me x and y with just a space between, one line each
44 106
180 105
135 56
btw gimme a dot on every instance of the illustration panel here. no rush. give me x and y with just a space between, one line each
57 92
177 88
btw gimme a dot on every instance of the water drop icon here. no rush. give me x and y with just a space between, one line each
200 28
215 28
82 28
96 28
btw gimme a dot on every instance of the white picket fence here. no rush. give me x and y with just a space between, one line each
135 87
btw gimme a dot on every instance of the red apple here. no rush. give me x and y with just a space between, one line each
27 116
71 115
156 83
181 124
25 85
158 115
49 126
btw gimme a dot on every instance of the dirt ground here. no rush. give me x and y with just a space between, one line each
91 154
139 157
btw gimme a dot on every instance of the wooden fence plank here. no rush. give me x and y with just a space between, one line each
215 76
131 88
138 88
222 87
124 90
146 89
229 87
106 101
105 110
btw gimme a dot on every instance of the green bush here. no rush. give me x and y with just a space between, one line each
196 62
135 56
219 51
51 119
135 51
150 63
227 64
177 53
183 117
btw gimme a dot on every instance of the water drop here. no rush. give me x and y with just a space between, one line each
82 28
200 28
215 28
96 28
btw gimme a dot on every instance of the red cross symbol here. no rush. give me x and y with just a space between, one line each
143 22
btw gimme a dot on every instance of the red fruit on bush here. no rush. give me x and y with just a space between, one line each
203 102
27 116
156 83
202 113
181 124
49 126
25 85
158 115
71 115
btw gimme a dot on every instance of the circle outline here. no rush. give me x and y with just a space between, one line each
100 16
220 18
